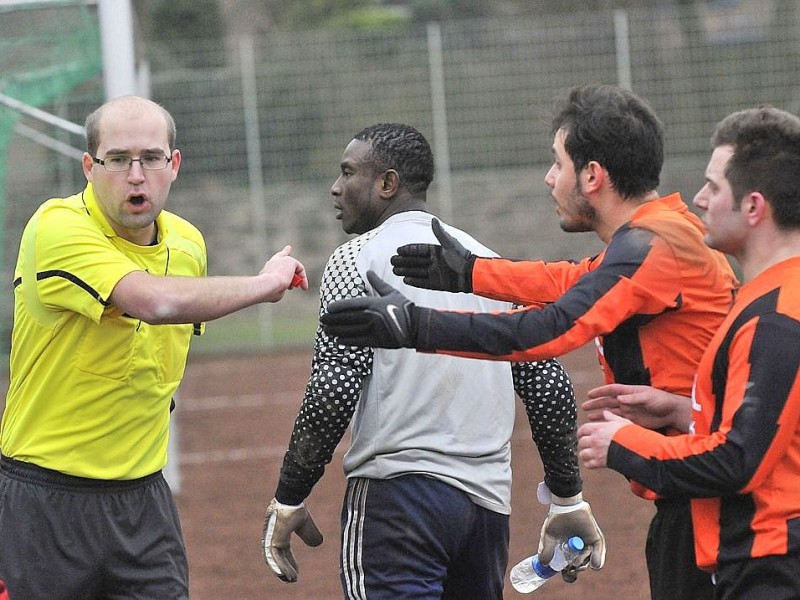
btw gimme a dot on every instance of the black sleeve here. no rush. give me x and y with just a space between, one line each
549 399
628 280
332 391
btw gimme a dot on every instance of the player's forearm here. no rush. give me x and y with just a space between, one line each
323 418
524 282
165 300
312 445
561 469
317 432
549 399
296 480
526 335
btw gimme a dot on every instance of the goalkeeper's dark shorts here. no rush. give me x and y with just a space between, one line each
417 537
64 537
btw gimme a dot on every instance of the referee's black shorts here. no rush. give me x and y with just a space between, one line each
64 537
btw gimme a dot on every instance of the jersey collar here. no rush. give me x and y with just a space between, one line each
90 202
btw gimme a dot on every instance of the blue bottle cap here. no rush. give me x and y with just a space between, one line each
542 570
576 543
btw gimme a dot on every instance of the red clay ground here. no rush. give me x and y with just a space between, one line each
234 419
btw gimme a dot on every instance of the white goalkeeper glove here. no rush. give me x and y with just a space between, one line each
570 517
281 520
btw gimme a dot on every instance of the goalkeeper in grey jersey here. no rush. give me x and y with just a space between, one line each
426 511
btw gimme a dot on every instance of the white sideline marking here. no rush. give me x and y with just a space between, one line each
225 402
234 454
245 401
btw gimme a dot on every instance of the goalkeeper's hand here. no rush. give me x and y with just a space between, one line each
571 517
281 520
447 267
388 320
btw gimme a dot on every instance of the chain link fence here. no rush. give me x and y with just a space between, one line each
262 123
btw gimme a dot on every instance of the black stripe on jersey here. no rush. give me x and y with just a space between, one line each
719 372
72 279
736 512
622 349
793 526
775 343
723 471
17 281
508 333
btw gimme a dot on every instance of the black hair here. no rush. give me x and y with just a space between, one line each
617 129
402 148
766 159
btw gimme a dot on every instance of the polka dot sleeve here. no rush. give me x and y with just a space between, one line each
333 388
549 399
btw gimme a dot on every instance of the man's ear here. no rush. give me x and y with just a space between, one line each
593 176
87 162
389 183
755 207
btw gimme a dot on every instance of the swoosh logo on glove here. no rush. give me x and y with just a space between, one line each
392 309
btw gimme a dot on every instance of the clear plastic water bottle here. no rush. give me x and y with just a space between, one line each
528 575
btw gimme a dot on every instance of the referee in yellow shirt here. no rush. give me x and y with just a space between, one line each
108 289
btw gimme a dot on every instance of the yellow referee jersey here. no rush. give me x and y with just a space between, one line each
90 387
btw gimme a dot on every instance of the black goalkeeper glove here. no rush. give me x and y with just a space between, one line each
385 321
447 267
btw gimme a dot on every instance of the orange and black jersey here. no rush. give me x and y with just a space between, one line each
652 299
742 464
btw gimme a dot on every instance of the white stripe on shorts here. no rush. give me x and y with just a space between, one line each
352 537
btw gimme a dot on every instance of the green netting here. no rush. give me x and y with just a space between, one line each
46 50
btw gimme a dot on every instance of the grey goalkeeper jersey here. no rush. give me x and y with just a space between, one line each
447 417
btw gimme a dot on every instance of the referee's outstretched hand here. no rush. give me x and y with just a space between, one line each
388 320
447 267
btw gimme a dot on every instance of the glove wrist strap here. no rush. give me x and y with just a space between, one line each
281 505
545 496
466 276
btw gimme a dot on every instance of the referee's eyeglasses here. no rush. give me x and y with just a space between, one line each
120 162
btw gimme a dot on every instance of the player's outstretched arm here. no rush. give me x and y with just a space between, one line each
161 300
643 404
447 267
388 320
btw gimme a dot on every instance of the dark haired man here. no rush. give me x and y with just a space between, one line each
428 467
741 462
651 300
